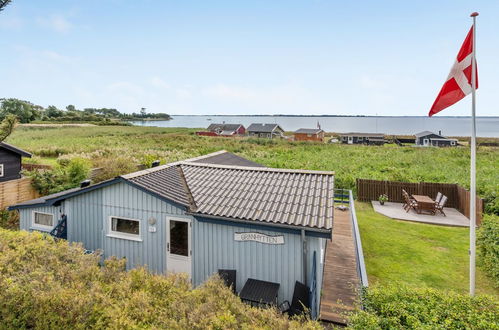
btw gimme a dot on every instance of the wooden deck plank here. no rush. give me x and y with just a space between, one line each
340 280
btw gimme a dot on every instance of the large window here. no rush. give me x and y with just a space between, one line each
124 228
43 220
1 170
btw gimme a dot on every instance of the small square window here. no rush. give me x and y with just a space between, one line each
124 228
43 220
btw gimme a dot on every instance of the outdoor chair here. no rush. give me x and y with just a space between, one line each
438 198
229 278
440 205
300 302
409 202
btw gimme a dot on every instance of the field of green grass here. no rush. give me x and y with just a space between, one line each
415 254
145 144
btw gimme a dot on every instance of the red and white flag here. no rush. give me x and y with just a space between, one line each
458 83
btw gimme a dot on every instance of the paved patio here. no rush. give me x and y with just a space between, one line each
396 211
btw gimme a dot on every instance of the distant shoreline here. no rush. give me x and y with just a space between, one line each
329 116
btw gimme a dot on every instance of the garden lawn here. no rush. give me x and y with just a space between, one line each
418 255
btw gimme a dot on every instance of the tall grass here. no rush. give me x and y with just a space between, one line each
140 144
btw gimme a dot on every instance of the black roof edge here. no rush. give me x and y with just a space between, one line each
15 149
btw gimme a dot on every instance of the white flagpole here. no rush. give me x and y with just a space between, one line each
473 163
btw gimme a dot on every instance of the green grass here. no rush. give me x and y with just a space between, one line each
418 255
141 144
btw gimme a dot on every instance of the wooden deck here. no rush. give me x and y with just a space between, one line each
341 280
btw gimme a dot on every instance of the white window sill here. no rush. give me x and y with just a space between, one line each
136 239
43 229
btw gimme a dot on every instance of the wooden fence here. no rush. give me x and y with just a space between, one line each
458 197
32 167
16 191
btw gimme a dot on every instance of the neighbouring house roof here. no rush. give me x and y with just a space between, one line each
309 131
254 194
363 134
227 132
224 127
16 150
425 133
224 158
263 128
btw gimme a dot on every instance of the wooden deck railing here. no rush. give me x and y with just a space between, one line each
458 197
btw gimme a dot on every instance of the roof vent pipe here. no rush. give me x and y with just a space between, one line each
84 183
155 163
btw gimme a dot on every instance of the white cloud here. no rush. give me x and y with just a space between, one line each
126 88
224 92
11 23
57 23
159 83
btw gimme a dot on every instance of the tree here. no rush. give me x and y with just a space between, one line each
71 108
7 126
143 112
53 112
24 111
3 4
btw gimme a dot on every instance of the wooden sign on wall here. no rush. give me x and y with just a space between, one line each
259 237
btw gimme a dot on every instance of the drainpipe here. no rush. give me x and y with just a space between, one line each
304 246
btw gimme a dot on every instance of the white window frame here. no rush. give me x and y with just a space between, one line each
1 171
42 227
452 143
117 234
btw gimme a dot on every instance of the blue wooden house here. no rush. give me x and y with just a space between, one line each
218 211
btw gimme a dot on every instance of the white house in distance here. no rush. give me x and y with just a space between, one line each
430 139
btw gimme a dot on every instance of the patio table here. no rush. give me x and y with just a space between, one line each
425 203
259 293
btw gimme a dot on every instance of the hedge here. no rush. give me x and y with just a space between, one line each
53 284
488 247
401 307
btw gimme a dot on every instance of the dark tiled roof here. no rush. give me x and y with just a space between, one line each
224 158
425 133
309 131
265 128
289 197
166 181
15 149
223 127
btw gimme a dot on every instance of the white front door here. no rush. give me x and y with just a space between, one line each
178 245
350 140
426 142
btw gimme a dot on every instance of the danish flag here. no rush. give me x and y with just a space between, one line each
458 83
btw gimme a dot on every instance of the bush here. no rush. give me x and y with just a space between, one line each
9 220
399 307
488 246
53 284
113 167
68 174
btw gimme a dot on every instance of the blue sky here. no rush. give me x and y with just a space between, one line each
244 57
